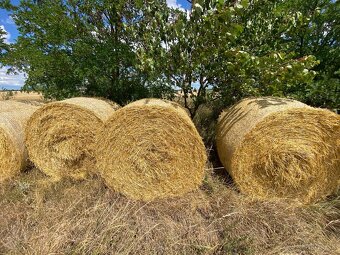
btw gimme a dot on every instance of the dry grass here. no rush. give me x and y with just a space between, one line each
33 98
276 147
151 149
61 136
71 217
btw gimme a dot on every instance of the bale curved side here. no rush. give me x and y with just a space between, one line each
60 136
13 154
151 149
280 148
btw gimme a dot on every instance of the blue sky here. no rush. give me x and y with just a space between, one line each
179 4
7 24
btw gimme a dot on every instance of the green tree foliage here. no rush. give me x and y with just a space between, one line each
223 49
317 32
69 48
3 45
229 48
301 28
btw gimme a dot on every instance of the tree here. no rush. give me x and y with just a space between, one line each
225 49
317 32
71 48
3 45
218 47
299 29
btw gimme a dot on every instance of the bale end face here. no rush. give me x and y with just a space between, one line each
291 153
298 159
150 149
13 154
10 157
61 136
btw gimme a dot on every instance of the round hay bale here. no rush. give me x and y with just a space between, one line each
13 154
60 136
151 149
280 148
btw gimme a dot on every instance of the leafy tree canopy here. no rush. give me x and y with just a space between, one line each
69 48
224 50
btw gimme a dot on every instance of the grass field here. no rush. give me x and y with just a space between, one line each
40 216
25 97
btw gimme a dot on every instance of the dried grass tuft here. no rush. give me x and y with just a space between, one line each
151 149
280 148
60 136
13 154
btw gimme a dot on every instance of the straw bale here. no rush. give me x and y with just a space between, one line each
13 154
60 136
280 148
151 149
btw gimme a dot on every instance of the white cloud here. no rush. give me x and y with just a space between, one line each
15 80
174 4
9 20
7 36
